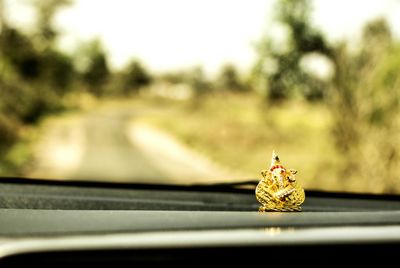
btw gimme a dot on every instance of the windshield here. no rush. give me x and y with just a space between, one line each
183 92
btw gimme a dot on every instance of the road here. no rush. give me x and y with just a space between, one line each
113 145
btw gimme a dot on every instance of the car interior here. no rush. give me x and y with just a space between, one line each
57 222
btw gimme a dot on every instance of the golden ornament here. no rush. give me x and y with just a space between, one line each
278 190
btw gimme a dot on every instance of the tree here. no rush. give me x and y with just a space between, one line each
197 80
58 71
19 53
365 102
46 9
279 70
134 77
33 74
228 79
93 65
304 38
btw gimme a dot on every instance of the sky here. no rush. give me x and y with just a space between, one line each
175 34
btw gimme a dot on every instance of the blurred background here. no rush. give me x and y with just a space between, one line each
201 91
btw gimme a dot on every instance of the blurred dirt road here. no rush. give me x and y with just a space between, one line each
112 145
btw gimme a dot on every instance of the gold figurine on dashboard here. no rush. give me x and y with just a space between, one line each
278 190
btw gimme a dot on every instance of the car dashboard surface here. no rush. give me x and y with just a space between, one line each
55 222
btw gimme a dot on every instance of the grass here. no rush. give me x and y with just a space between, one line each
240 132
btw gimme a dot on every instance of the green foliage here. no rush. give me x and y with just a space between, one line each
47 67
365 102
19 53
97 73
134 77
197 80
46 9
228 79
34 76
363 94
58 71
173 77
304 38
8 129
279 71
93 66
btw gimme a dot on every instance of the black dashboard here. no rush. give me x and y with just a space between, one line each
57 222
